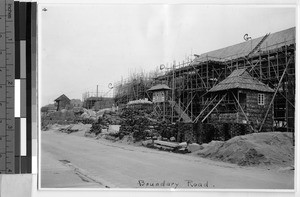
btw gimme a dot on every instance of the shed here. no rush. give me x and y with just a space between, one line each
61 102
242 99
160 93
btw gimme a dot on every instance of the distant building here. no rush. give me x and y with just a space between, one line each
62 102
98 103
76 103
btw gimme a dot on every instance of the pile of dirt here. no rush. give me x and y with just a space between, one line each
270 148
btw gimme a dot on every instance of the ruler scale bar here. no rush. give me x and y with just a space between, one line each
9 62
2 89
18 101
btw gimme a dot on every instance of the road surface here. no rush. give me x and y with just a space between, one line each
74 161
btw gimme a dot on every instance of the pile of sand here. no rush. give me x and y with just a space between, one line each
271 148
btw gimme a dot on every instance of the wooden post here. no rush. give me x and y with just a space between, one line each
230 66
185 108
191 96
286 91
173 91
238 101
207 86
97 92
202 82
260 69
269 66
277 65
164 106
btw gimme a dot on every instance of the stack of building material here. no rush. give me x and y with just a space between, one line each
165 145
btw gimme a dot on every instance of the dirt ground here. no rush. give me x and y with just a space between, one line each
88 162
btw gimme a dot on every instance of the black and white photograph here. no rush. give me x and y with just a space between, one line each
167 96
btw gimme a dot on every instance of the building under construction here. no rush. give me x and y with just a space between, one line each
264 74
97 100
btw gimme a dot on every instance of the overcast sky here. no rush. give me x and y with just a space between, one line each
87 45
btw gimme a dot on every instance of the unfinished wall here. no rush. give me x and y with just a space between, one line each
206 132
256 113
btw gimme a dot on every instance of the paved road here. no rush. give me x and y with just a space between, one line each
76 161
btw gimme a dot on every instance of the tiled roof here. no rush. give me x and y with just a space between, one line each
272 41
159 87
241 79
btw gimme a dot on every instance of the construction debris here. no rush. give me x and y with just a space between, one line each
104 121
75 128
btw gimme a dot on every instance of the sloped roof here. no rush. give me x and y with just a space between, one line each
159 87
61 97
279 39
241 79
272 41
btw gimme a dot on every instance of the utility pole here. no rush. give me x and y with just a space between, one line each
173 90
97 92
